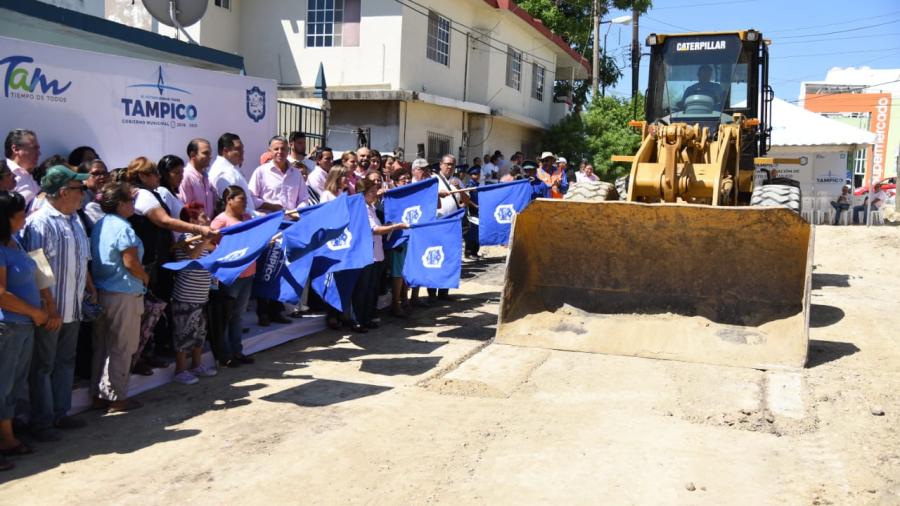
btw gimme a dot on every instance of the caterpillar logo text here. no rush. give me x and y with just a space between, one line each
705 45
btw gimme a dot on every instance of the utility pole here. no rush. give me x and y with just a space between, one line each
595 63
635 53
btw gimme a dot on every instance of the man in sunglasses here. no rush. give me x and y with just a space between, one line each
56 229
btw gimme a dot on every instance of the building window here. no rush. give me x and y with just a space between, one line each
438 146
225 4
438 47
324 23
514 68
859 162
537 82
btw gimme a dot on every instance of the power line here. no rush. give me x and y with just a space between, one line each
834 53
806 78
669 24
858 28
843 22
703 5
829 39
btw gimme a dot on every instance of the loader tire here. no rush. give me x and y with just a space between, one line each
622 187
595 191
776 195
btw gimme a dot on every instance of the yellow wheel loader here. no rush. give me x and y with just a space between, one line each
704 259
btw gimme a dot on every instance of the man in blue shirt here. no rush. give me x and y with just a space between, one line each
538 188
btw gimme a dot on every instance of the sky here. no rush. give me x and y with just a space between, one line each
804 45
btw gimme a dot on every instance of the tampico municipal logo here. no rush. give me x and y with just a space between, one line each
234 255
433 257
411 215
159 104
24 79
256 104
344 241
504 213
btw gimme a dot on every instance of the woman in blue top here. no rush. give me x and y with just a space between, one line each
121 281
20 311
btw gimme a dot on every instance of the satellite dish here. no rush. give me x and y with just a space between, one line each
177 13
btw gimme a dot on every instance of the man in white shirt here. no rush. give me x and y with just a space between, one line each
225 172
489 169
317 177
877 201
448 204
22 152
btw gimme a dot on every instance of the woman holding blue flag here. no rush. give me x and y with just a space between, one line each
365 294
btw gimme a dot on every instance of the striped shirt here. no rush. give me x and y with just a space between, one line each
191 285
68 251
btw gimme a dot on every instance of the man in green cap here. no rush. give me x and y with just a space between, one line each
56 229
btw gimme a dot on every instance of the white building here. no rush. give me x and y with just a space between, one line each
466 77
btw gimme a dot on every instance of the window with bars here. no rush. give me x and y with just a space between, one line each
225 4
537 82
324 23
438 47
859 162
514 68
438 146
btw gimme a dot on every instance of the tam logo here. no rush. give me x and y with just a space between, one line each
504 213
412 215
18 78
433 257
343 242
234 255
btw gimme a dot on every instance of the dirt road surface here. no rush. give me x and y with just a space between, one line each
427 411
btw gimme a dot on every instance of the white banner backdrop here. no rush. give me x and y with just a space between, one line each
822 169
125 107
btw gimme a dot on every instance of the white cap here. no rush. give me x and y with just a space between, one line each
561 160
419 163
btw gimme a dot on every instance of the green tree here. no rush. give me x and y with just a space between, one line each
572 20
607 133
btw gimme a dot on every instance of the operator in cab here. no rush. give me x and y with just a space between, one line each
704 86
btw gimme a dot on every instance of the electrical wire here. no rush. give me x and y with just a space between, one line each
780 57
856 29
843 22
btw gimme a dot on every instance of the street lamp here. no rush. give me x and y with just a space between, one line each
621 20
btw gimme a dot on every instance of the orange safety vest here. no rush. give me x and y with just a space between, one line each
550 180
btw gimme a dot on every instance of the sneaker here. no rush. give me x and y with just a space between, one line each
201 371
185 378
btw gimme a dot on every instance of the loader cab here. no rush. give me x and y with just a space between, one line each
707 78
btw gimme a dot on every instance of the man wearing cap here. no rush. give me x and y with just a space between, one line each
539 190
552 175
56 229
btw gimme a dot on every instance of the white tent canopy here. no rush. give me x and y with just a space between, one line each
796 126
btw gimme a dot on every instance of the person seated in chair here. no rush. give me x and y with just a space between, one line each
704 86
877 200
841 204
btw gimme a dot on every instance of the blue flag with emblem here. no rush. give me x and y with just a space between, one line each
434 253
337 264
283 271
498 204
412 203
241 245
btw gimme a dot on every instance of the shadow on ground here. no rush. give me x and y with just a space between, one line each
173 404
822 352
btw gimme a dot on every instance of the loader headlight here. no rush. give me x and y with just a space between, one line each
752 35
651 39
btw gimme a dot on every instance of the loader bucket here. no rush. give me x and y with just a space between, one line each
716 285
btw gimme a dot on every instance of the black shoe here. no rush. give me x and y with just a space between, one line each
280 319
244 359
142 368
263 321
68 422
358 328
229 363
446 297
371 325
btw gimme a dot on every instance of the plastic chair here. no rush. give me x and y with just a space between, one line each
824 211
808 209
845 217
876 217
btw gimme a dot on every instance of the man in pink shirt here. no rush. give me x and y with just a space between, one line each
197 193
278 182
22 152
316 179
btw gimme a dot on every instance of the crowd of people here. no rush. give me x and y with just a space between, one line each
83 290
